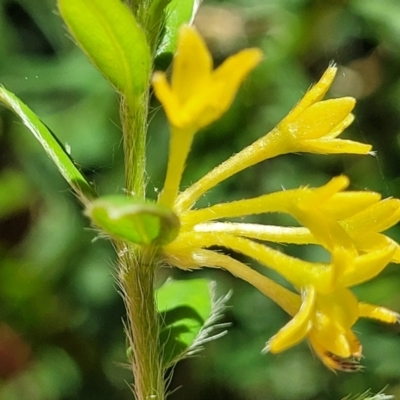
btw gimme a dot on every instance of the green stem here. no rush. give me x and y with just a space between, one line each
134 127
137 265
137 280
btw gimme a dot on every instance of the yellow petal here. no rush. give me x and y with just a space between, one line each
198 95
367 266
332 361
319 119
167 98
213 100
339 308
192 65
316 93
340 127
231 74
342 344
335 315
345 204
376 218
297 329
334 146
309 212
372 242
379 313
325 192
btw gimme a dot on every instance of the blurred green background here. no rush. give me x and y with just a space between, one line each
61 331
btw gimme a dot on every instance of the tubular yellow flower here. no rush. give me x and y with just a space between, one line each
312 126
347 224
196 97
298 328
326 320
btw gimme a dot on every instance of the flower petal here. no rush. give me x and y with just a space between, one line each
297 329
213 100
332 361
308 210
316 93
379 313
231 74
319 119
334 146
345 204
340 127
367 266
376 218
335 315
372 242
339 308
167 98
192 65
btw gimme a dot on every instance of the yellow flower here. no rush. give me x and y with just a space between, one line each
313 125
196 97
346 224
326 321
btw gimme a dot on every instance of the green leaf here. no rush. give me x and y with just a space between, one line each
108 33
156 17
188 312
134 220
50 144
177 13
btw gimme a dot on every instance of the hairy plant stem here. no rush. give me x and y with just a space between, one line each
137 265
136 275
134 129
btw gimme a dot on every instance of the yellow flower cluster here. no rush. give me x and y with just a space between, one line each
346 224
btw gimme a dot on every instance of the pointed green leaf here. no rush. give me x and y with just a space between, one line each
50 144
134 220
176 14
185 307
108 33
